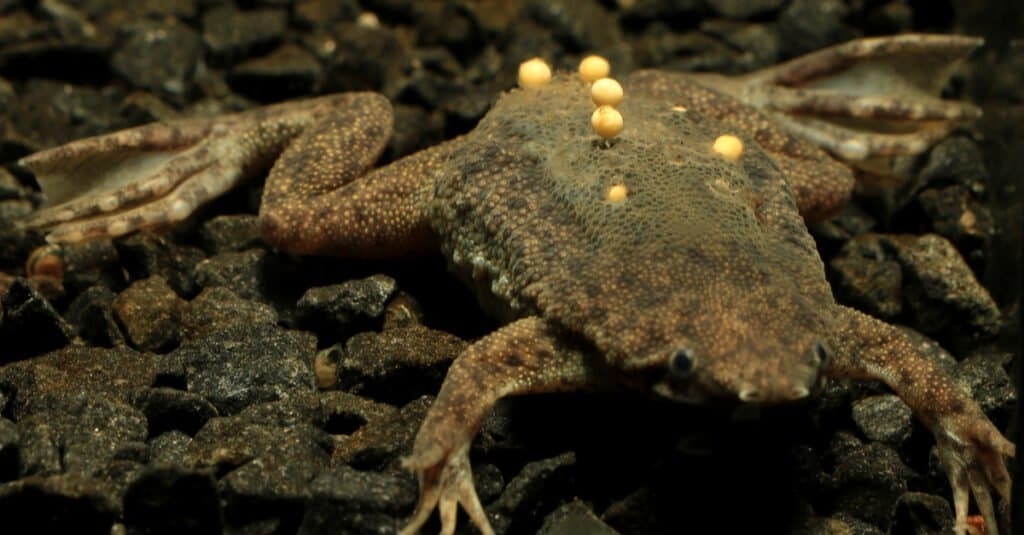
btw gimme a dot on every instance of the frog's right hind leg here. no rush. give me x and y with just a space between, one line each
156 175
864 99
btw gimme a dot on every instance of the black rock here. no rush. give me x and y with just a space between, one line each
227 233
535 490
246 364
88 434
146 254
169 500
231 34
150 312
217 308
241 272
350 501
807 25
69 503
160 56
30 324
397 365
343 308
287 72
921 280
885 418
381 441
10 444
868 481
266 470
740 9
93 317
169 409
574 518
168 449
922 514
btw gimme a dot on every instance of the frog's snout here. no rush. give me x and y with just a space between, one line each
792 386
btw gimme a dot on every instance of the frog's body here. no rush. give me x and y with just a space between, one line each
700 282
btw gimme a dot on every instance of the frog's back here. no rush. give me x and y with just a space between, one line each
526 207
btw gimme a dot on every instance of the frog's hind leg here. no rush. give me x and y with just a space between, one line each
156 175
867 98
317 200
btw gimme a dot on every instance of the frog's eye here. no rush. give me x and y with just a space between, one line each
681 363
821 354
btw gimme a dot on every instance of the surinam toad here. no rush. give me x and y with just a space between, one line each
656 258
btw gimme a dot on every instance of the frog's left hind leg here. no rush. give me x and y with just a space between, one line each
867 98
156 175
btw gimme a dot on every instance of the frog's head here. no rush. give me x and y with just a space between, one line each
755 355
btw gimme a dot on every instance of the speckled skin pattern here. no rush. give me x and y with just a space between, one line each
701 283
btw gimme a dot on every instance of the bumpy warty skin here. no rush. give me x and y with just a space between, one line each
703 253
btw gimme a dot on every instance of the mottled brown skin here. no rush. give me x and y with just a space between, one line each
702 283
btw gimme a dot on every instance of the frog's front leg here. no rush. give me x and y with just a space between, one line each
526 356
158 174
970 448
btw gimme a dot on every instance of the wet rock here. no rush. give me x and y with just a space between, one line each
884 418
868 481
169 409
488 481
9 450
93 317
573 518
168 449
535 490
357 502
365 59
89 433
346 413
48 113
246 364
807 25
990 385
757 45
320 13
82 265
230 34
150 313
397 365
740 9
343 308
30 324
957 215
241 272
922 280
218 308
582 26
68 503
146 254
922 514
382 441
267 469
159 56
287 72
172 500
228 233
39 452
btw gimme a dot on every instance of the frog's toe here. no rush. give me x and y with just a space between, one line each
445 486
855 145
866 98
973 458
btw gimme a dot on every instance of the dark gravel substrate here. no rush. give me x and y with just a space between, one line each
201 382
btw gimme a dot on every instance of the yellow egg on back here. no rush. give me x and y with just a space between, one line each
617 193
594 67
607 121
729 147
606 92
534 73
